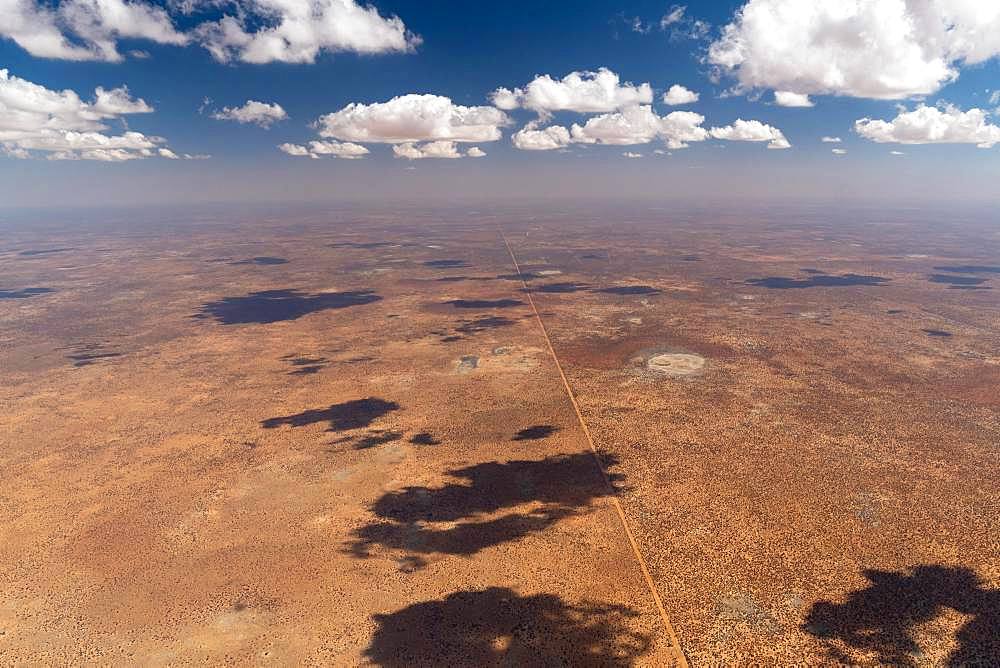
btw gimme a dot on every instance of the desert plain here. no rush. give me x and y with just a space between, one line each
489 435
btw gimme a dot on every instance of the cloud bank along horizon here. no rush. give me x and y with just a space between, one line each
748 77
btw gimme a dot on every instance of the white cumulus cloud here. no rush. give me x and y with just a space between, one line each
258 113
252 31
297 31
784 98
584 92
830 140
530 138
752 131
630 154
63 126
838 151
640 125
883 49
318 149
434 149
84 29
413 118
932 125
678 94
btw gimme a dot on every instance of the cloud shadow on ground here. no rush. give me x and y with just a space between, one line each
535 432
498 627
817 281
24 293
488 504
882 618
354 414
271 306
485 303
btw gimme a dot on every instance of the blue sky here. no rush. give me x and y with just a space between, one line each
466 52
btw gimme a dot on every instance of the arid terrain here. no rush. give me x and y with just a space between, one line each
489 436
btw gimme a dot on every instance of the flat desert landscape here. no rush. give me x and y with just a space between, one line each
500 436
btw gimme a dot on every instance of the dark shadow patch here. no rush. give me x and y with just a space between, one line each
348 415
483 323
424 438
894 311
24 293
461 517
485 303
955 280
43 251
690 258
450 339
970 269
306 366
523 276
452 279
936 332
594 256
812 271
630 290
535 433
280 305
446 264
818 281
377 438
89 353
882 618
498 627
557 287
263 260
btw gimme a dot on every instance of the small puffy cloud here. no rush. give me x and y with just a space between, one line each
630 154
168 154
784 98
506 99
673 16
753 131
882 49
530 138
681 26
294 149
317 149
346 150
678 94
995 97
932 125
838 151
640 125
84 29
830 140
680 127
434 149
896 153
252 31
36 119
297 31
632 125
258 113
413 118
583 92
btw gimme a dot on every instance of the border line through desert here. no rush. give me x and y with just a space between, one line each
616 502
